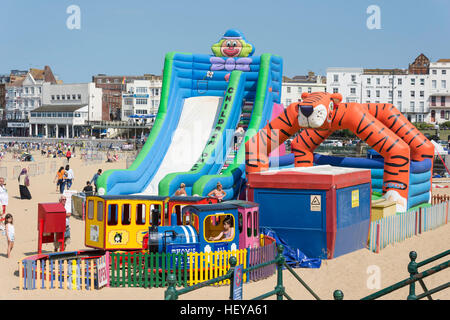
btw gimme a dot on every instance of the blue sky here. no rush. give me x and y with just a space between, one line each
131 37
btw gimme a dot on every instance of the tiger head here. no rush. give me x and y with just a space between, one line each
316 110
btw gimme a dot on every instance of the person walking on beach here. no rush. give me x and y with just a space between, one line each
3 197
9 229
69 178
60 180
181 191
24 183
95 177
68 155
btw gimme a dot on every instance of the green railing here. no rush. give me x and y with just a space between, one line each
414 276
279 291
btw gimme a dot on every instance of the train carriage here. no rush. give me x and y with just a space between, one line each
119 222
202 229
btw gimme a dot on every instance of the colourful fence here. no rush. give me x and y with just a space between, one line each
256 256
399 227
210 265
147 270
65 270
439 198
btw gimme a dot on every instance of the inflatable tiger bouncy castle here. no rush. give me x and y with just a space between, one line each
319 114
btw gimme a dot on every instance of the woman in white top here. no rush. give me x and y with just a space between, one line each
69 178
3 196
9 232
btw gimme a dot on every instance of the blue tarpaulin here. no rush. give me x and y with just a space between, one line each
294 257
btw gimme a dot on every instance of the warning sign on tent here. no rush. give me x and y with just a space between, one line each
316 202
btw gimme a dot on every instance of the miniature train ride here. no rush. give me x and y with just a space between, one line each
169 224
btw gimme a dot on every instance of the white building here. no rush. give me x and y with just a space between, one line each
24 93
439 103
67 109
142 97
408 92
292 88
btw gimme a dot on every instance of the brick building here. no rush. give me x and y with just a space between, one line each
113 87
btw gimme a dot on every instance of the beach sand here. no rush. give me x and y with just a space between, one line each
348 273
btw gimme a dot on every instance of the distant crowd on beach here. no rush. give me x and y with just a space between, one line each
64 179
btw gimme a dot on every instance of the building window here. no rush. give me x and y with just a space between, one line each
442 114
79 97
399 81
141 101
390 93
156 92
377 93
434 71
309 89
433 84
335 90
433 101
368 80
413 81
422 82
353 78
444 71
378 81
422 105
442 101
399 105
141 90
336 78
68 97
391 81
399 93
413 94
444 84
352 90
57 97
422 94
288 89
368 93
63 97
73 97
53 97
411 105
299 89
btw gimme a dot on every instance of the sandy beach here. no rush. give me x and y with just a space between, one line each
349 273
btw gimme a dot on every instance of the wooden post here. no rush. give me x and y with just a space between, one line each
378 238
38 274
47 275
92 275
20 275
83 274
65 274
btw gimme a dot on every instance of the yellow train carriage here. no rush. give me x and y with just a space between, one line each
120 222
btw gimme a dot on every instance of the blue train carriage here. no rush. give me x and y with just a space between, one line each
203 229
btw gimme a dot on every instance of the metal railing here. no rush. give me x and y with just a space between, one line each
279 291
414 276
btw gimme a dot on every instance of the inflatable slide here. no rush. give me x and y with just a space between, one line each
210 105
